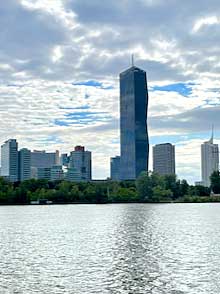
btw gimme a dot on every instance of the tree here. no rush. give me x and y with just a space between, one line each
171 183
184 188
160 194
215 182
202 191
144 187
145 184
126 195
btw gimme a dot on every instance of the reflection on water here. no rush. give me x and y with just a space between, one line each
127 248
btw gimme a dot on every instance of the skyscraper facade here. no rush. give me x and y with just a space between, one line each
133 123
210 160
56 173
44 159
64 159
80 164
9 160
164 159
115 168
24 164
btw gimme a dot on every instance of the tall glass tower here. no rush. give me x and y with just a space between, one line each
210 160
9 160
133 123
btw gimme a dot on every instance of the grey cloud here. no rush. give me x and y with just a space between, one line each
98 48
126 24
194 121
27 35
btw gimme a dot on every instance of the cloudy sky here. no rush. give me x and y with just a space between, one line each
59 67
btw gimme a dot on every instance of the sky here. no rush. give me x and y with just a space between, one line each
59 74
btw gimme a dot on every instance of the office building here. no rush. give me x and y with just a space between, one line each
164 159
64 159
43 173
115 168
80 164
210 160
9 160
133 123
44 159
24 164
34 172
56 173
73 175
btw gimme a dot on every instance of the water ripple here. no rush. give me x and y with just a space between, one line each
112 249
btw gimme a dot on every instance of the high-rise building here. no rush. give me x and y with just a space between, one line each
210 160
164 159
53 173
44 159
43 173
73 175
80 164
64 159
133 123
56 173
115 168
24 164
9 160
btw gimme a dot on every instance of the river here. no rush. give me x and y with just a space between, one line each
118 248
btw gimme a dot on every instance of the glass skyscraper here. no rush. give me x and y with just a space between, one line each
24 164
115 168
210 160
133 123
80 165
9 160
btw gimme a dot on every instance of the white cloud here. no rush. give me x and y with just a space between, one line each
206 21
47 46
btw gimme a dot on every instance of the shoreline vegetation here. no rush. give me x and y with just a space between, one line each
148 188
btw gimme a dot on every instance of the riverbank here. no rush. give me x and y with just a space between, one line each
148 188
211 199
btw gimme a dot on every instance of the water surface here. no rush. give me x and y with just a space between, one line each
122 248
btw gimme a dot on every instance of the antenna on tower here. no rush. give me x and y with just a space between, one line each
212 137
132 59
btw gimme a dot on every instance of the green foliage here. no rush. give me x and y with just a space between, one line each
199 191
161 195
125 195
144 185
152 187
215 182
149 187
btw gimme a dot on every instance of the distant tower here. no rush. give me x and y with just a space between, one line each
9 160
80 165
164 159
132 60
24 164
115 168
133 122
210 159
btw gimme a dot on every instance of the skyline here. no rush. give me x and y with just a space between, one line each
60 63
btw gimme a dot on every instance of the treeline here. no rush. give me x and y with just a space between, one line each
149 187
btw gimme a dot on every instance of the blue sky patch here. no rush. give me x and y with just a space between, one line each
82 114
82 118
181 88
91 83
